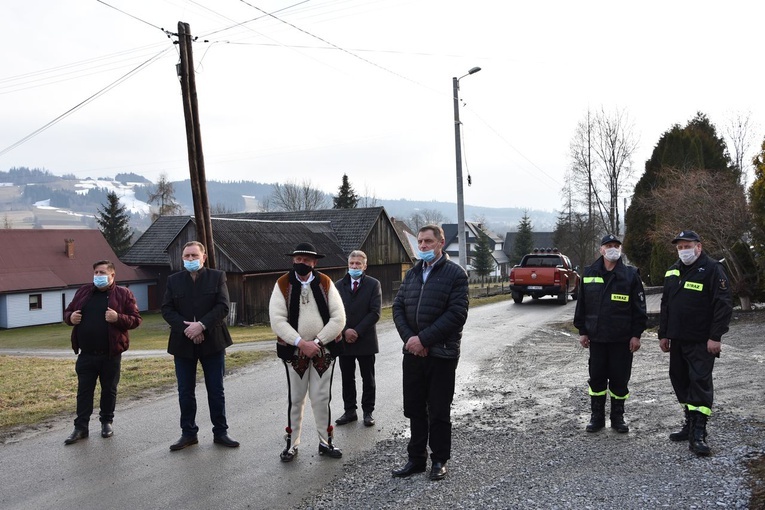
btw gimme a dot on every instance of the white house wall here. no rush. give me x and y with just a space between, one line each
141 293
15 312
19 315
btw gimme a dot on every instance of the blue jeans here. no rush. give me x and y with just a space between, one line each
213 367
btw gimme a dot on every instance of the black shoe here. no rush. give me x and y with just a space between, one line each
596 423
330 451
225 440
369 421
438 471
107 430
288 455
409 469
183 442
618 424
347 417
75 436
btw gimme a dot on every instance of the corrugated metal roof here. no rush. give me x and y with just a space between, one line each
33 259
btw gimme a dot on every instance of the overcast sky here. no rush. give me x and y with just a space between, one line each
364 87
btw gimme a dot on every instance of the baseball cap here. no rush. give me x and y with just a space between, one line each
686 235
609 238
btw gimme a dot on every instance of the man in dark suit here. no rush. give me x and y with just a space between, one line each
195 305
362 298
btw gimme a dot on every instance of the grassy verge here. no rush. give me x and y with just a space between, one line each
33 389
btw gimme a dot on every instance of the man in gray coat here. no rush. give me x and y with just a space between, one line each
362 299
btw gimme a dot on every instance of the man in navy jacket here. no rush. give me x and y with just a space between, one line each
430 310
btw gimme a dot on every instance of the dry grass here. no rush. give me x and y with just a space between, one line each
36 389
33 390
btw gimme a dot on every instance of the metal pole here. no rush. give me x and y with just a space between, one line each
460 199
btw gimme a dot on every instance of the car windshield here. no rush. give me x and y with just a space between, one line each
542 262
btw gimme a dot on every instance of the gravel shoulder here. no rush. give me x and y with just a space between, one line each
519 439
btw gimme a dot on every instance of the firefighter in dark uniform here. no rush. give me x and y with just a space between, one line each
696 308
610 316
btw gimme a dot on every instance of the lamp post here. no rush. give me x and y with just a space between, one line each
458 152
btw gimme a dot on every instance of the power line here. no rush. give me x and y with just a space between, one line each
166 32
83 103
335 46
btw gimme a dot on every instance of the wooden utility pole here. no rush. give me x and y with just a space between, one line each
187 78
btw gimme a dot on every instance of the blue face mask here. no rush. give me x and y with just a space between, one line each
355 273
192 265
100 281
427 256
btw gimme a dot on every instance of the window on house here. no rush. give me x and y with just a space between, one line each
35 301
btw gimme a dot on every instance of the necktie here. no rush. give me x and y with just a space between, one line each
355 286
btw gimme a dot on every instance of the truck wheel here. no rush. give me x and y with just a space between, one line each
517 296
563 298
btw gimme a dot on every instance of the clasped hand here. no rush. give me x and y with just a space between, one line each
414 346
194 332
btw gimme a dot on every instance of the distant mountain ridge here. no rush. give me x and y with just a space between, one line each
23 187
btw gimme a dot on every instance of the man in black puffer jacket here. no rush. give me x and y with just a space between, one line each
429 311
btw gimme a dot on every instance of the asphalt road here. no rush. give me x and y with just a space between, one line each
135 468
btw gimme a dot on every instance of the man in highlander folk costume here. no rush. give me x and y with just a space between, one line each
307 316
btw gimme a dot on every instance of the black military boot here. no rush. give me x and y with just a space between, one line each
682 434
697 437
598 416
617 416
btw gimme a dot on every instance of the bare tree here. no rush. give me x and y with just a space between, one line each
163 194
221 208
293 196
601 154
425 217
480 219
368 198
7 223
715 206
739 132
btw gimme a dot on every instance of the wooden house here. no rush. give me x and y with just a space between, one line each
252 248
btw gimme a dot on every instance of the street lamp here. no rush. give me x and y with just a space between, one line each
458 152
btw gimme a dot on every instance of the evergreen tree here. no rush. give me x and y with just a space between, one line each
524 240
346 196
693 147
483 261
757 209
114 223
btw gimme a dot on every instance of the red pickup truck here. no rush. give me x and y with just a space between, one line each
544 273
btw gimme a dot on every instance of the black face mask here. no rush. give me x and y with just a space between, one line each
302 269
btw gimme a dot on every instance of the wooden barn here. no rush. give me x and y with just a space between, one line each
252 248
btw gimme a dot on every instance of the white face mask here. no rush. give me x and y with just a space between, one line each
612 254
688 256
